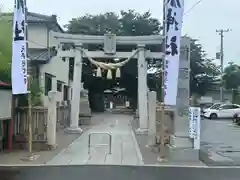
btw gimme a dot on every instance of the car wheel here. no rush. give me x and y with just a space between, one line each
235 118
213 116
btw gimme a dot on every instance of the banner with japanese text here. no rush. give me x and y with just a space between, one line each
174 18
19 52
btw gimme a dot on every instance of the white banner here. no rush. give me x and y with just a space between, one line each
174 17
19 51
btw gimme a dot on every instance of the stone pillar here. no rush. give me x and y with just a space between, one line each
142 91
180 141
52 119
152 103
180 137
76 90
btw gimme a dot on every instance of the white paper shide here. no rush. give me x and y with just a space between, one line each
174 17
19 53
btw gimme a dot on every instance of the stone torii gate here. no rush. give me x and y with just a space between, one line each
110 41
179 127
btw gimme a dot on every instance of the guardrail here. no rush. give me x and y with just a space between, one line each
109 144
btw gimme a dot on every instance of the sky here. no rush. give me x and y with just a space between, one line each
200 22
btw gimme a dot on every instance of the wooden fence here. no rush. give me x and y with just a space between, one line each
63 117
39 125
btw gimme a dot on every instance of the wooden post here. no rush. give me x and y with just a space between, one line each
10 128
29 119
29 85
162 123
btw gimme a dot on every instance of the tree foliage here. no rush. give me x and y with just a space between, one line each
231 76
204 72
231 80
5 48
129 23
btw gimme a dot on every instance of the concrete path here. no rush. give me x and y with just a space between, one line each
125 150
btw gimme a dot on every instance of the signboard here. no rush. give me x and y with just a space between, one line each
195 125
174 18
19 51
190 119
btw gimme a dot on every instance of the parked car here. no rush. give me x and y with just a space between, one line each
222 111
203 106
212 106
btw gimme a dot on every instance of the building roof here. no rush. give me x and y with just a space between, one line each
34 18
41 18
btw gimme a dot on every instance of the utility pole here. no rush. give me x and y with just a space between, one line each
221 33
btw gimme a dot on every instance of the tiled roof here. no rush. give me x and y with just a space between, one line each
38 18
34 17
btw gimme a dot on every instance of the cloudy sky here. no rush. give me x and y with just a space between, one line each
201 22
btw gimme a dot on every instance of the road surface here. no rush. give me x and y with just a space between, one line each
220 140
113 172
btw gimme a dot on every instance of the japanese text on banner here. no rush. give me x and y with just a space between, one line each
173 27
19 51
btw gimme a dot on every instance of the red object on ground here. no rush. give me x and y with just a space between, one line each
4 84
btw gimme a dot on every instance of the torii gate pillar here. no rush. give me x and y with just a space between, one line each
142 90
76 89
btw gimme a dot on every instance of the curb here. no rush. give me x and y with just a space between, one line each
204 156
139 154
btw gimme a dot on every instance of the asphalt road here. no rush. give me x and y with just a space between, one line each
220 131
220 142
98 172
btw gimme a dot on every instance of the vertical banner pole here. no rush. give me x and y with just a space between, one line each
11 126
29 85
29 118
162 124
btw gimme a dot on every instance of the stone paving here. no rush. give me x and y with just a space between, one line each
125 150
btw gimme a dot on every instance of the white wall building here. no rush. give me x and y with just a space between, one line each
51 71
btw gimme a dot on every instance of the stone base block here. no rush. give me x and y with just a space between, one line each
181 141
141 131
74 130
183 154
181 149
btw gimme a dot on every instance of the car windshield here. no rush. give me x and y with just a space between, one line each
215 106
206 105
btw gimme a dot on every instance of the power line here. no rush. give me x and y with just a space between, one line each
189 10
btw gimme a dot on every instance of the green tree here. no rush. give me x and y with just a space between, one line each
231 79
129 23
204 72
5 48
